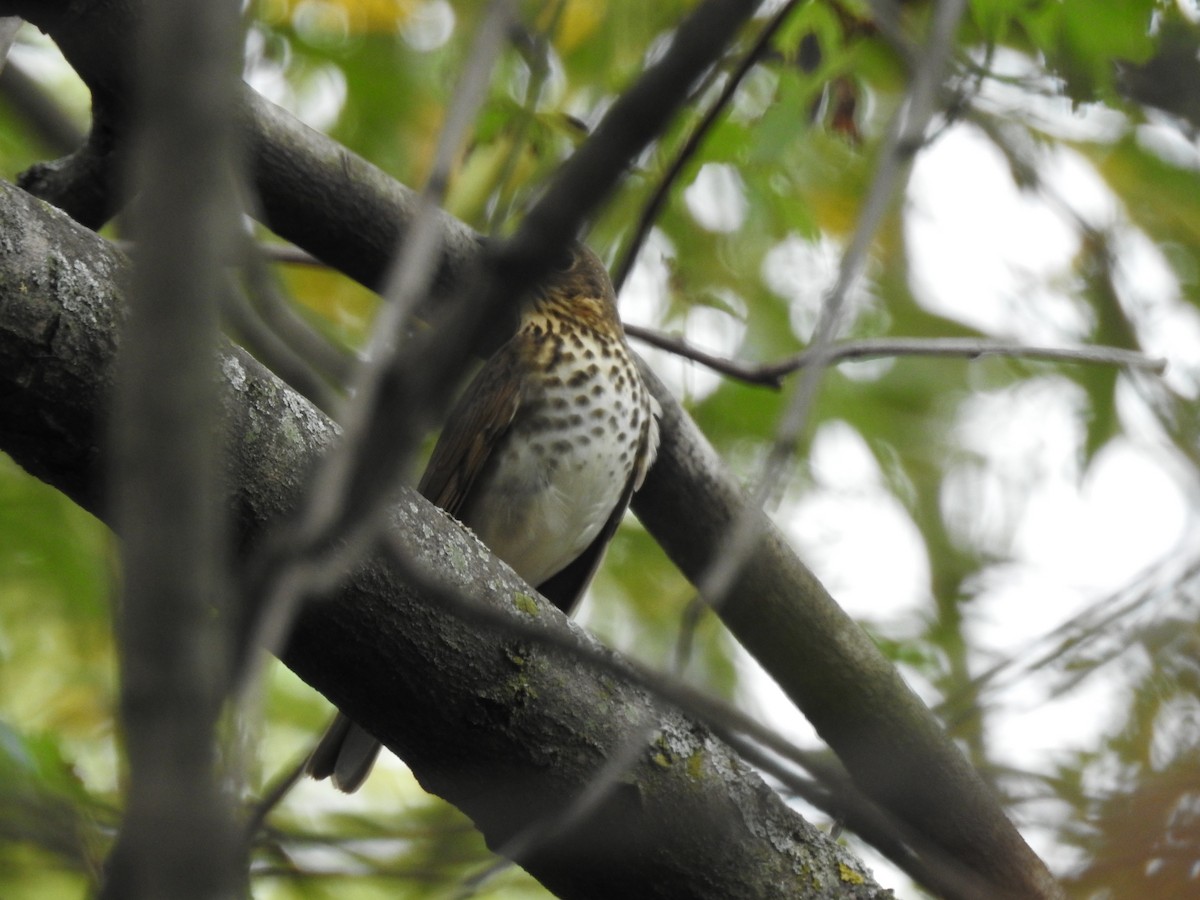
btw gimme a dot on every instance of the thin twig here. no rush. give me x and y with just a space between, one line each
271 251
289 254
967 348
734 368
241 319
274 795
772 374
539 70
330 360
654 205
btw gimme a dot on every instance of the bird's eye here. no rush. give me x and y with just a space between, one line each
563 260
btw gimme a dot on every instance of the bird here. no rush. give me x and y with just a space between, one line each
539 457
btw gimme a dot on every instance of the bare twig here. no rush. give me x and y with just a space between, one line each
275 793
772 374
968 348
289 254
735 368
9 26
331 361
264 342
658 199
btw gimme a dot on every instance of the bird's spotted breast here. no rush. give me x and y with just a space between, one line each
570 456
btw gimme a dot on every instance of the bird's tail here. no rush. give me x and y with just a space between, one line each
346 754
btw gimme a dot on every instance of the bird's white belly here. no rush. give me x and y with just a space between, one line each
544 509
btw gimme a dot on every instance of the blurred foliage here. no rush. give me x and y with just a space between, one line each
739 261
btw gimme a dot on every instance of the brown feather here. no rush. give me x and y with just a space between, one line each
482 415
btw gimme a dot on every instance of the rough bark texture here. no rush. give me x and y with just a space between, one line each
508 732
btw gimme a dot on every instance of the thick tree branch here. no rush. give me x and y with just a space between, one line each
507 731
174 618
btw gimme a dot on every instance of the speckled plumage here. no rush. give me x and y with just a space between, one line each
539 457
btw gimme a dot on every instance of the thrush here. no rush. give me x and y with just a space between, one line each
539 457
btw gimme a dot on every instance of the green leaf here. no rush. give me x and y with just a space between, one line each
1083 41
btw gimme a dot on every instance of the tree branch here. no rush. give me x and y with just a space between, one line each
503 729
175 618
772 374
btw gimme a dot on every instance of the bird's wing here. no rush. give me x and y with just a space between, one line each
478 421
565 589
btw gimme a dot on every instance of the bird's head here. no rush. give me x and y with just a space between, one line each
577 287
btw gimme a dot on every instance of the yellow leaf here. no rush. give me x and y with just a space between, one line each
578 22
354 16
